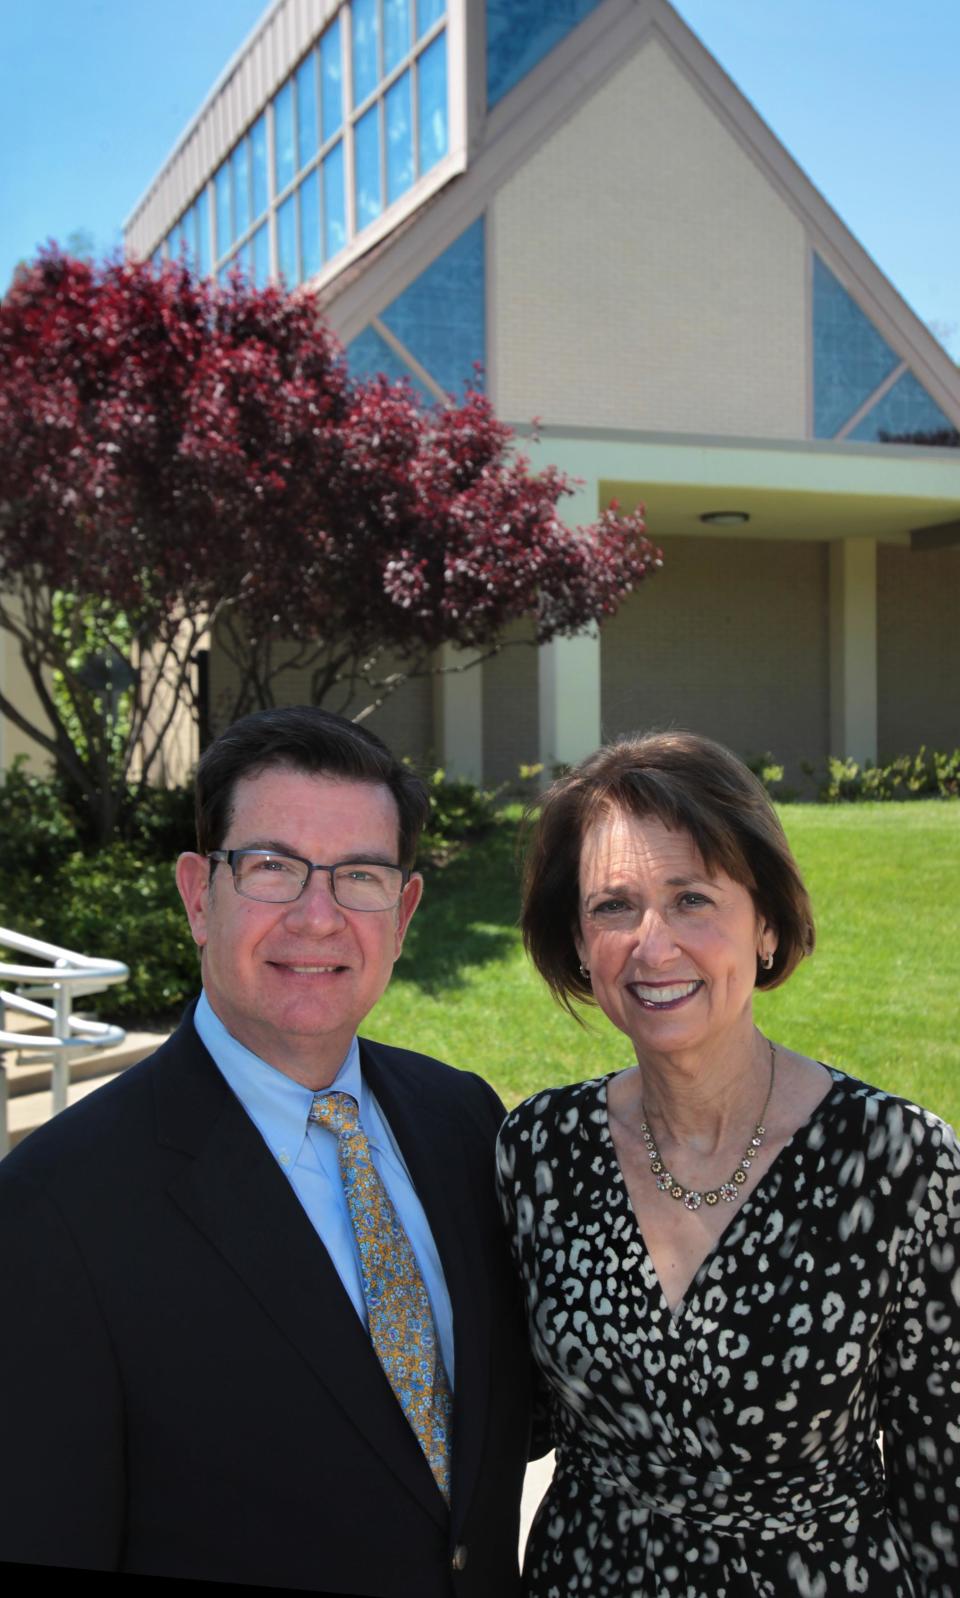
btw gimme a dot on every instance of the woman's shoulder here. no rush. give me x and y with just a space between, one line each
889 1128
555 1111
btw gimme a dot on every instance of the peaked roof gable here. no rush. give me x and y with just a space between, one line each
550 94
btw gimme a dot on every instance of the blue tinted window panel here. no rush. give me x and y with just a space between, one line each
850 358
396 32
521 32
366 157
260 255
287 241
432 102
258 166
428 12
240 161
311 254
904 411
307 124
369 354
284 156
334 203
399 124
204 243
366 49
331 77
224 208
441 317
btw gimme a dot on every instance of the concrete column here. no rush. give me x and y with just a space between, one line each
458 713
853 648
569 698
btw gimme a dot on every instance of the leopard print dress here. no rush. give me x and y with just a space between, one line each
731 1448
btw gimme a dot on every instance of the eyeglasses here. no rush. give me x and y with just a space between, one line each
274 878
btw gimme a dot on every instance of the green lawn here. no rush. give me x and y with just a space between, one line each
880 998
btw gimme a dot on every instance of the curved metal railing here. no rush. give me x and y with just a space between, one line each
67 976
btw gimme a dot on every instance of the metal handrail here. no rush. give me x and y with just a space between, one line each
67 977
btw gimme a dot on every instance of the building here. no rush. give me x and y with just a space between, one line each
574 194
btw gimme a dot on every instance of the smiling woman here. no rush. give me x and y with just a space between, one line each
698 1234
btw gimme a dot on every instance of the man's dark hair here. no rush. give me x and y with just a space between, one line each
306 739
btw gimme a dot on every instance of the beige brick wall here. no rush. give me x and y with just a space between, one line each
730 640
511 730
918 656
405 721
646 274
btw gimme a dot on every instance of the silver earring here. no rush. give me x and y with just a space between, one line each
766 960
585 971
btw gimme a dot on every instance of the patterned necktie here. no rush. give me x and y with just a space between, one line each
401 1322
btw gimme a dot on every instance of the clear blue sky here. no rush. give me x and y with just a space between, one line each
864 93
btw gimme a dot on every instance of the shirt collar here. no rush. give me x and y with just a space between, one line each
276 1104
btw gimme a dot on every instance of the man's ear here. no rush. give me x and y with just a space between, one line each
409 899
193 882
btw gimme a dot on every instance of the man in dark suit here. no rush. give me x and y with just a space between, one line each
195 1342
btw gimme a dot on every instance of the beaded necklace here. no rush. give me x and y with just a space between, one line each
729 1191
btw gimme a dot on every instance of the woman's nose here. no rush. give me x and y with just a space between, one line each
654 942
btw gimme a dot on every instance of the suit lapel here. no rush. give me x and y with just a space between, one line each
431 1145
235 1194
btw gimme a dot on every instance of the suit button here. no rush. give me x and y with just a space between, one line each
459 1560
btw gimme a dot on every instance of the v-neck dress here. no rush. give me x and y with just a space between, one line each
731 1447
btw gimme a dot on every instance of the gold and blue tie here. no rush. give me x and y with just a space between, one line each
399 1316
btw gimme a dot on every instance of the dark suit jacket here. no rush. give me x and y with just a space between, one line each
187 1389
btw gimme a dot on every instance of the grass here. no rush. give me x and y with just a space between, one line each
879 998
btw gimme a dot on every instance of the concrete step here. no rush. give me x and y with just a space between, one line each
28 1087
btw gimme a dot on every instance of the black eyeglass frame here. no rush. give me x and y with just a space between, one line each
230 857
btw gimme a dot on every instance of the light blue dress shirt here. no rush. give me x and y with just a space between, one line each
307 1154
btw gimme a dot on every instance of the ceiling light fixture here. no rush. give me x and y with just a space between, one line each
725 518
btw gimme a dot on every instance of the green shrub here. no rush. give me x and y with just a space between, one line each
769 771
160 822
925 775
459 809
117 905
38 828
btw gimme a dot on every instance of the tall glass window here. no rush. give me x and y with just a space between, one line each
284 154
258 165
331 72
240 162
428 12
382 114
432 102
287 241
307 128
399 138
311 253
261 255
204 253
366 146
366 66
224 202
334 203
396 32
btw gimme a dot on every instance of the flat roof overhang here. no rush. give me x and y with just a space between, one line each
817 490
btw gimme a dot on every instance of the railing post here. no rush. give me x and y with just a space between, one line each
4 1123
4 1126
60 1070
